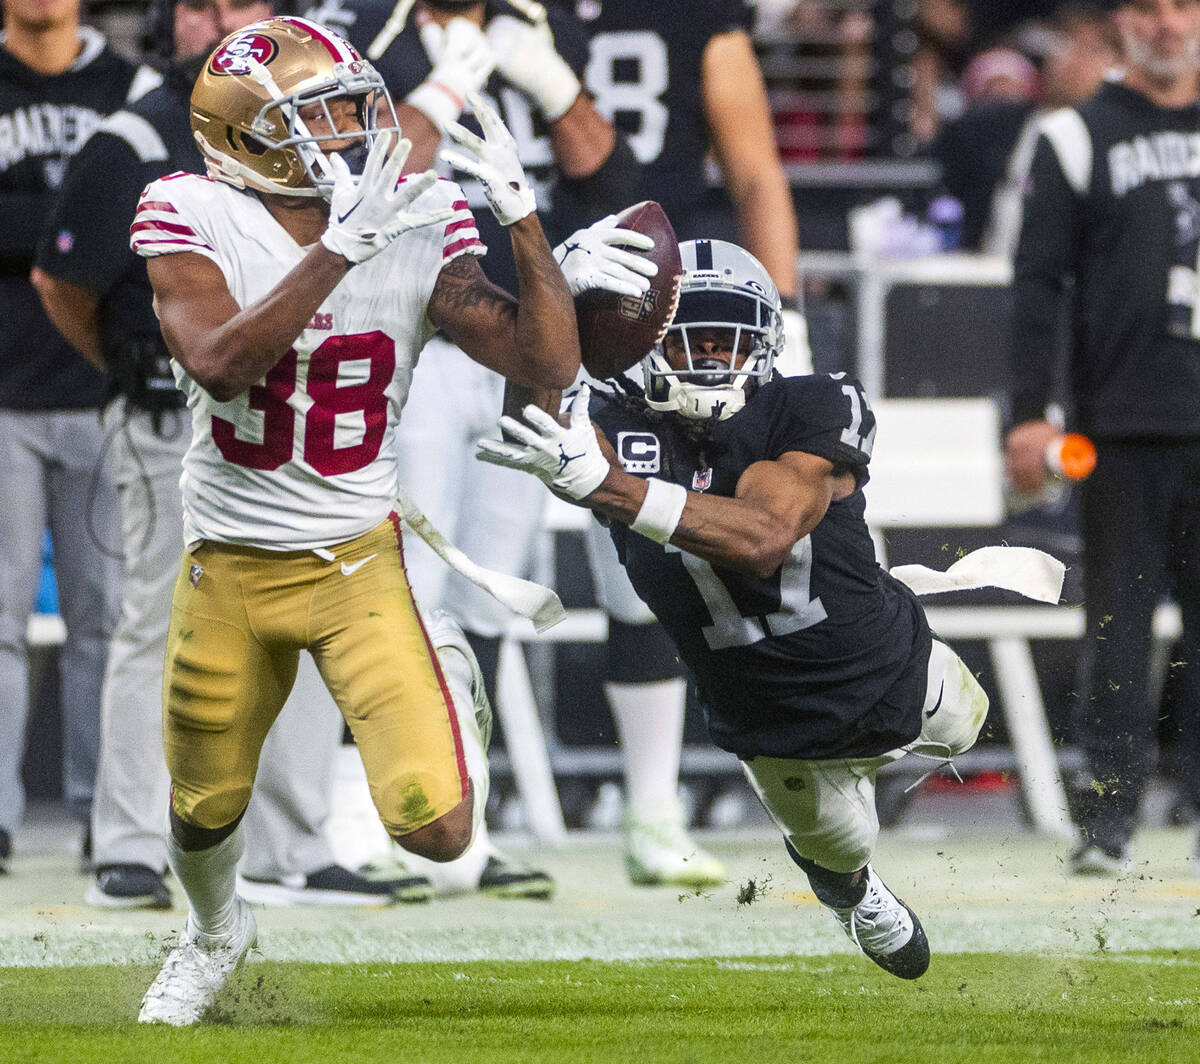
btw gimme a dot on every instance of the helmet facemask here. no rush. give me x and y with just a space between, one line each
736 297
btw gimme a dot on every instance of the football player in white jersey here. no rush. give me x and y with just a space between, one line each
295 286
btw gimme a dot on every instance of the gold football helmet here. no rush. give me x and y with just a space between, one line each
246 106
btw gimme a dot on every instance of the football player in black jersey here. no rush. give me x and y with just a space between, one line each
734 497
1112 216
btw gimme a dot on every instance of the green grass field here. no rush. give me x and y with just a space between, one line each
1029 965
970 1007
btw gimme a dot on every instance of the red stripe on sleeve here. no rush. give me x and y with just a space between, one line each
458 245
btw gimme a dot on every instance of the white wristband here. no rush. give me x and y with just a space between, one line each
661 510
436 102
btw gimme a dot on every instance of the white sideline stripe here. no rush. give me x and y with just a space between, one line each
608 940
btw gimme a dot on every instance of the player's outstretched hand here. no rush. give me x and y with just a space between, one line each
528 60
493 161
594 258
367 213
462 61
568 460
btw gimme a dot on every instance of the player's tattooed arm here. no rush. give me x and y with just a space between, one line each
533 343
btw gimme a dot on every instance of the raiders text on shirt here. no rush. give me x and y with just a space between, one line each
45 129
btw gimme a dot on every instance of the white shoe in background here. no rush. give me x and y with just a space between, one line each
659 851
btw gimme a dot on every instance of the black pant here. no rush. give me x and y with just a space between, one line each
1141 533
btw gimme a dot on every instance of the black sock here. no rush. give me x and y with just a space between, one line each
842 890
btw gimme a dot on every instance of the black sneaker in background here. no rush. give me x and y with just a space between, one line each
334 885
502 877
128 886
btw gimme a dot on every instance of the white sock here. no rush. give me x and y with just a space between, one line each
649 719
209 878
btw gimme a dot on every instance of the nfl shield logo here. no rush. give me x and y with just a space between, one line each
702 480
194 574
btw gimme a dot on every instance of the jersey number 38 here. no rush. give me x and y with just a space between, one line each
363 406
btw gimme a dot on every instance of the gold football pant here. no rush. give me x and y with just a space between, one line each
239 619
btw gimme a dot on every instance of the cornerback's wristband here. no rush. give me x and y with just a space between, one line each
661 510
436 102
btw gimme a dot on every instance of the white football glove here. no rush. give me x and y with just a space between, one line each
493 162
527 59
593 258
462 61
367 213
567 460
795 360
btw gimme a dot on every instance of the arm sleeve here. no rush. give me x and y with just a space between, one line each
85 239
1044 261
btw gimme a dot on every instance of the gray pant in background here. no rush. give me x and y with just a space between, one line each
286 819
48 478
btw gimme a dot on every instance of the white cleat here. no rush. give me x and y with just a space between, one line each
195 971
886 930
659 851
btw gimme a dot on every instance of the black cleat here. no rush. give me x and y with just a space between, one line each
336 885
128 886
503 878
886 930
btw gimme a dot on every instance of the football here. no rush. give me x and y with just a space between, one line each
616 331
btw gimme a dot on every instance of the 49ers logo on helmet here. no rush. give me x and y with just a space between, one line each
234 58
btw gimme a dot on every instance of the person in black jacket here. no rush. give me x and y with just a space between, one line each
97 292
58 80
1113 207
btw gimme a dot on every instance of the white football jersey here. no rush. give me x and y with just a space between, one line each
307 457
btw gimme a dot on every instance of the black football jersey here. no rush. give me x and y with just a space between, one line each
86 238
1113 201
405 65
644 73
44 120
825 658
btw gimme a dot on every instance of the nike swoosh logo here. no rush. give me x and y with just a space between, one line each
350 570
343 217
936 706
